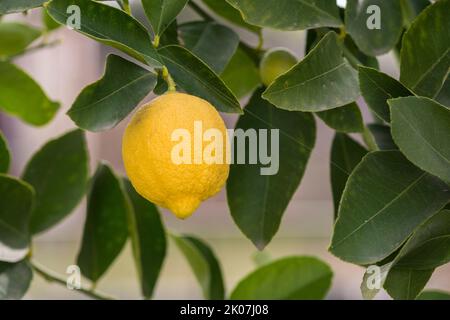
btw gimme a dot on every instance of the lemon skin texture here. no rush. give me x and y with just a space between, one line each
147 153
274 63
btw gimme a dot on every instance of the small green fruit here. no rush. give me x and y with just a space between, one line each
275 62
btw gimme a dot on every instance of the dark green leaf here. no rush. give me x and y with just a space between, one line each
420 127
58 172
103 104
289 15
241 74
16 37
170 36
253 190
346 154
406 284
361 24
16 201
105 229
433 295
22 97
109 26
148 239
356 57
49 23
425 56
204 264
383 137
344 119
161 13
228 12
211 42
10 6
444 96
376 88
323 80
385 192
411 9
4 154
293 278
195 77
15 279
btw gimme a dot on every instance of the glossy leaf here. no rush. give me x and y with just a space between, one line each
323 80
228 12
383 137
343 119
406 284
109 26
204 264
420 127
148 239
213 43
425 59
16 37
411 9
4 154
376 88
195 77
253 190
385 192
434 295
289 15
16 201
58 170
49 23
15 279
161 13
444 96
361 18
346 154
293 278
105 229
103 104
22 97
241 74
10 6
356 57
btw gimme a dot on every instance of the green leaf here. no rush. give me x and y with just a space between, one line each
16 37
361 23
411 9
148 239
376 88
444 96
58 172
170 36
253 190
346 154
420 127
383 137
204 264
10 6
323 80
195 77
425 59
406 284
289 15
16 201
223 9
103 104
355 57
5 157
105 229
344 119
15 279
22 97
211 42
434 295
109 26
241 74
384 192
293 278
161 13
49 23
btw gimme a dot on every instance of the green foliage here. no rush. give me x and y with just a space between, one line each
15 37
433 295
10 6
293 278
343 119
161 13
15 278
4 154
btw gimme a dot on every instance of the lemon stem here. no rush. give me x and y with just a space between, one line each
169 80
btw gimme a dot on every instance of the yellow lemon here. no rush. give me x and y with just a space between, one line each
175 152
274 63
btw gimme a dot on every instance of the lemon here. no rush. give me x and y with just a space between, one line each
149 146
274 63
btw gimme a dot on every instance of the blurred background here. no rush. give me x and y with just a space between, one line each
63 71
